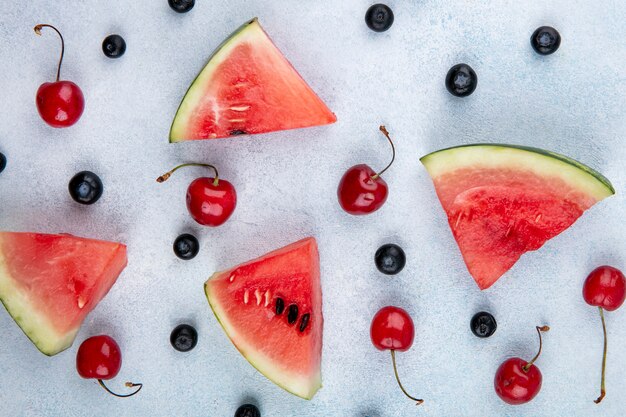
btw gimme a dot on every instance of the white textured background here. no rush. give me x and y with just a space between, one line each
571 102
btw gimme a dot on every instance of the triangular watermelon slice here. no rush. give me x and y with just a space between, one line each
503 201
247 87
49 283
271 309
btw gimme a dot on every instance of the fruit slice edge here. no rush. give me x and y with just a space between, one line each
286 356
49 283
247 87
504 200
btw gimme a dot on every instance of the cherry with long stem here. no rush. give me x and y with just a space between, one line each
395 370
38 32
602 388
383 129
168 174
540 329
128 384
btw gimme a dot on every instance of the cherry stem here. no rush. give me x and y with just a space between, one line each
602 390
526 367
168 174
38 32
128 384
393 150
395 371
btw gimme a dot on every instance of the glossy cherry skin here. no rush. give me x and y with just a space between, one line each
358 193
99 357
61 103
605 287
514 385
392 329
210 204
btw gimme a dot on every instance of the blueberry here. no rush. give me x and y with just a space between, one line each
85 187
184 338
545 40
247 410
483 324
3 162
379 17
186 246
390 259
181 6
461 80
114 46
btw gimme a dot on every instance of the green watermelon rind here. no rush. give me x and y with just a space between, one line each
582 176
229 331
231 40
32 324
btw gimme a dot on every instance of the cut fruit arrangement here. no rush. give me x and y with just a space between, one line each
247 87
49 283
501 201
271 309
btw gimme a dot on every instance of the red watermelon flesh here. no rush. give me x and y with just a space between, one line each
247 87
49 283
244 301
503 201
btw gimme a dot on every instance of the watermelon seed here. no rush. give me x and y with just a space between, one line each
267 298
304 322
537 218
458 219
257 294
240 108
246 296
280 306
237 132
292 314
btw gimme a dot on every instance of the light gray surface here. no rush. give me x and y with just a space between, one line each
571 102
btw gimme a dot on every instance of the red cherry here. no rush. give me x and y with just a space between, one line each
518 381
362 190
61 103
99 357
210 201
605 288
392 329
514 385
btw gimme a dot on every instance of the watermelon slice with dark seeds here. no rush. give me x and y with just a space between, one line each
503 201
247 87
271 309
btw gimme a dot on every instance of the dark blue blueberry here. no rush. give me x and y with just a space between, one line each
184 337
379 17
483 324
545 40
86 187
390 259
186 246
3 162
181 6
461 80
248 410
114 46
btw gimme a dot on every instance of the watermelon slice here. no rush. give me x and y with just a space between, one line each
247 87
246 300
49 283
503 201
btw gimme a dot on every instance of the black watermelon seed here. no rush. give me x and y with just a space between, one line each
238 132
280 306
304 322
292 314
